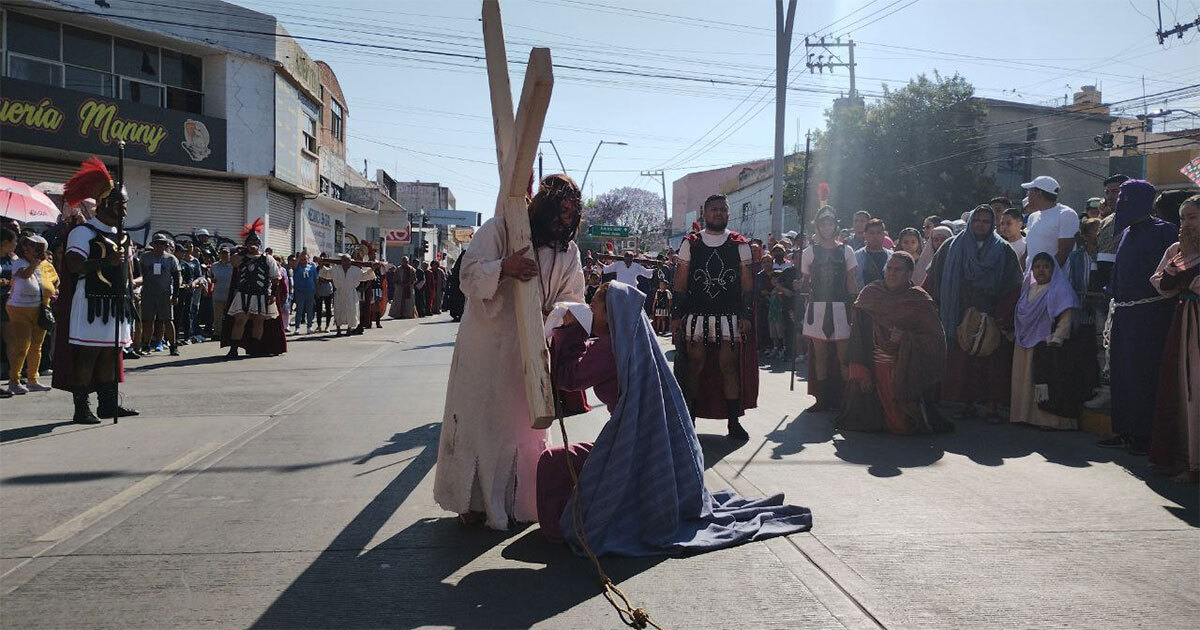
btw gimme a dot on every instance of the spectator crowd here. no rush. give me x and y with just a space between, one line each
1029 313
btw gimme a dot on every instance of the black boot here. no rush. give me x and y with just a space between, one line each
108 406
83 411
736 432
232 354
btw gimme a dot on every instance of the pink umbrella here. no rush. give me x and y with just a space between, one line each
25 203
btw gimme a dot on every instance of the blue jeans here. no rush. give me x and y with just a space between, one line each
305 307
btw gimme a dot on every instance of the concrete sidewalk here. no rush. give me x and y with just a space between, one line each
296 492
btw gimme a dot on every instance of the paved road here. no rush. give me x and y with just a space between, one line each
296 492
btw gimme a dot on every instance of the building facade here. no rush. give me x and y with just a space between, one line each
689 192
1023 141
206 114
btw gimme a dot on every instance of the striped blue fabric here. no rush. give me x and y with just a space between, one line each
642 488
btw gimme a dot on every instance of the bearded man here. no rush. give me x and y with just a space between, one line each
488 454
713 309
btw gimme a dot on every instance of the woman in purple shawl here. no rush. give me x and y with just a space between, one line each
641 485
1046 388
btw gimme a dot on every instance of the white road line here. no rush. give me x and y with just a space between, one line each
126 496
64 534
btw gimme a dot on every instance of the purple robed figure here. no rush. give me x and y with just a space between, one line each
1139 329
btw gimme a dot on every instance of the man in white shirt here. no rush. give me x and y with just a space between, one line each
1052 226
628 271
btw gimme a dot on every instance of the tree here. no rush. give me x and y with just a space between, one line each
912 154
638 209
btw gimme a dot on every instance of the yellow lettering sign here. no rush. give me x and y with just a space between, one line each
42 115
100 117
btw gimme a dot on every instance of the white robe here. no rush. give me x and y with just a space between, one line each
345 292
487 456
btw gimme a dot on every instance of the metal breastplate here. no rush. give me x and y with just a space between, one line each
827 274
103 288
253 276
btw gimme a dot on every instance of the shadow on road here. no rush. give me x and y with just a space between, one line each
21 433
435 572
985 444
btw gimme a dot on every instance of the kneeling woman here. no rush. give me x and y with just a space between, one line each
1047 386
641 484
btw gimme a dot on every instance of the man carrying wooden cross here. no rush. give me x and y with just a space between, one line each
487 459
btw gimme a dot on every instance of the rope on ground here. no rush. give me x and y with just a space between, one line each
634 617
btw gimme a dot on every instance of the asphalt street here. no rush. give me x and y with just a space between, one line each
296 492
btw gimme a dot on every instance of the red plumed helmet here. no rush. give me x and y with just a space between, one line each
254 228
823 193
91 181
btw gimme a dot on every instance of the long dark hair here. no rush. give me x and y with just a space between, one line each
545 207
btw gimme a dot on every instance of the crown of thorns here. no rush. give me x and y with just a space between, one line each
557 188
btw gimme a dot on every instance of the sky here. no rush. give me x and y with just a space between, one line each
689 84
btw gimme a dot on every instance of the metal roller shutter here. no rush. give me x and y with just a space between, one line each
281 226
33 173
182 204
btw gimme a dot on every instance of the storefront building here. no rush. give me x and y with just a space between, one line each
207 118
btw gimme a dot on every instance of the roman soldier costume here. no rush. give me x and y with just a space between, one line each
94 312
254 292
710 311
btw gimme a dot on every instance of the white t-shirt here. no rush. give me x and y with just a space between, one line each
629 275
1044 229
713 240
1019 247
24 290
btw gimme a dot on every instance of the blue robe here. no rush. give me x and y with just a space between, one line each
1138 332
641 491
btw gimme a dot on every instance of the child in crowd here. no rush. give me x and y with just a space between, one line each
662 309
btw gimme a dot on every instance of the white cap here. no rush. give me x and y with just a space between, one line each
790 234
1043 182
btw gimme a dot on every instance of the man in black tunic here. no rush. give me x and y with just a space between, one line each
712 315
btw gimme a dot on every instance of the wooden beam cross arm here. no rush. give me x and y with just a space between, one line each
516 146
498 82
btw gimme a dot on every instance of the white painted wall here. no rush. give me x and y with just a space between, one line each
137 182
243 93
256 202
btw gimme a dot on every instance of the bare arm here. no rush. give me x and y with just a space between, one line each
1065 245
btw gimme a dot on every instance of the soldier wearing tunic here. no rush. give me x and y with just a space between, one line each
94 310
827 268
253 299
713 311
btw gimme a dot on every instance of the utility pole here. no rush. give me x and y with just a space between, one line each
783 47
666 213
830 59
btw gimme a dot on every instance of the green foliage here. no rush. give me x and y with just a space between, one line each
893 158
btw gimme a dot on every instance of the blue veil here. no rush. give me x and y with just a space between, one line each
642 488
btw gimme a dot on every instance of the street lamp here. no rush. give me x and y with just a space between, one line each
1163 113
589 168
560 162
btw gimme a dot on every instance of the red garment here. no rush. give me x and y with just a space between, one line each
555 485
274 337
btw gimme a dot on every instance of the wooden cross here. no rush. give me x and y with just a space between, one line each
516 144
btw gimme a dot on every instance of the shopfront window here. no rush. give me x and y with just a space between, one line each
90 81
143 93
78 59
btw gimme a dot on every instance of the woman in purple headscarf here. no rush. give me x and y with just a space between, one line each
1046 388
